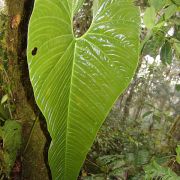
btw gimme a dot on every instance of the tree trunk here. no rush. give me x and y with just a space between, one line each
26 112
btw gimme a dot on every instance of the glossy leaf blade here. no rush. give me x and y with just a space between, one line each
76 81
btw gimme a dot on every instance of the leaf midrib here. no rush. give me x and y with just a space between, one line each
69 102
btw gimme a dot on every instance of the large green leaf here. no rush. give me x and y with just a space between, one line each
77 80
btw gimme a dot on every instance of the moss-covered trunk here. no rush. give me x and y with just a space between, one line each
32 151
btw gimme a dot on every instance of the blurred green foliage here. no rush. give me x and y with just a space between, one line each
154 170
10 142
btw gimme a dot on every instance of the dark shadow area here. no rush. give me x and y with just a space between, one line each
22 61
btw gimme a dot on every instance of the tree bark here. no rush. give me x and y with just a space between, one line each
26 112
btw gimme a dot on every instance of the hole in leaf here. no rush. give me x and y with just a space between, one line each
83 19
34 51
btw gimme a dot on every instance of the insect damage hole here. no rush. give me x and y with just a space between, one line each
34 51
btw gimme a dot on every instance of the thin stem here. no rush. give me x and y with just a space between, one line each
9 108
92 163
31 133
147 38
